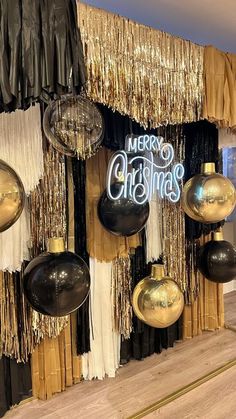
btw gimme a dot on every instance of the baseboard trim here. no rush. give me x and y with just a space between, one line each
183 390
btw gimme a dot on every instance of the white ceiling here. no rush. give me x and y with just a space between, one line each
202 21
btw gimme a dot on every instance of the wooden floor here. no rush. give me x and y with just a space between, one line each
141 383
212 400
230 309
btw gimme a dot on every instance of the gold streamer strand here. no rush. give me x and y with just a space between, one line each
121 289
16 337
48 219
149 75
173 222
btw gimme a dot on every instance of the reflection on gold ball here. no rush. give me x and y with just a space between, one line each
11 196
208 197
158 302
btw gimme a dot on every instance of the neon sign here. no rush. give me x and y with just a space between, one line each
144 168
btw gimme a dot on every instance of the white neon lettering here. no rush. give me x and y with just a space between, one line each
144 176
118 163
131 144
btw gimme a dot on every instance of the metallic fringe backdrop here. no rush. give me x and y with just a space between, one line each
16 338
173 221
149 75
48 219
121 290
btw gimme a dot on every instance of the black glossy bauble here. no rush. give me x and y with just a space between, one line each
56 284
217 261
122 217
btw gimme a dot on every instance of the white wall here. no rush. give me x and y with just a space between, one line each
230 235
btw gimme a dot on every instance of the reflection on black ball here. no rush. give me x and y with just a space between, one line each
56 284
122 217
217 261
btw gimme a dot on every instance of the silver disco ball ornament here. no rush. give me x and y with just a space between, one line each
74 126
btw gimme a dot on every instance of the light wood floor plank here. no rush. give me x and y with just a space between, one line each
212 400
141 383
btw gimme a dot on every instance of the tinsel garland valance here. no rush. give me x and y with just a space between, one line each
149 75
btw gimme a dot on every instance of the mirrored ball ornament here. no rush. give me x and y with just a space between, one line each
74 126
216 260
122 217
157 300
57 282
12 196
208 197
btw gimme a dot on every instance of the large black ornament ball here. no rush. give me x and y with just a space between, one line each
217 261
122 217
56 284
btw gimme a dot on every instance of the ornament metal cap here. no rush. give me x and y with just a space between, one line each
157 271
218 235
56 245
208 167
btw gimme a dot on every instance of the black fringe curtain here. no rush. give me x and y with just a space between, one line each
201 146
15 383
79 177
40 49
146 340
117 127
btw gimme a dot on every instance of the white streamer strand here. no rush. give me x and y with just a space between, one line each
153 231
21 144
104 357
21 148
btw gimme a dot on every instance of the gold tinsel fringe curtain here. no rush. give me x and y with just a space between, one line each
16 342
220 87
149 75
48 219
55 364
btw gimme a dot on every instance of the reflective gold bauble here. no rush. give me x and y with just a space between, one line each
157 300
11 196
208 197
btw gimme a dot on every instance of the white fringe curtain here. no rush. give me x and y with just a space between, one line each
21 144
153 231
103 359
21 148
14 244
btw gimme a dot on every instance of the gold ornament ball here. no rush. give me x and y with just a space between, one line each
11 196
208 197
157 300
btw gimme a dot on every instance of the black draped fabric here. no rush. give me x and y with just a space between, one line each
146 340
40 51
117 127
15 383
201 147
79 177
